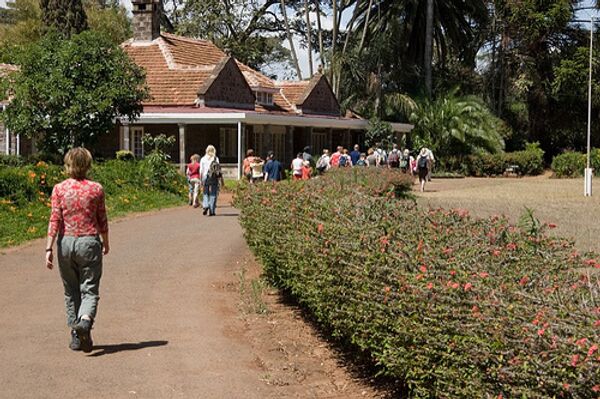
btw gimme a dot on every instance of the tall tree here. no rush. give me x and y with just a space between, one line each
65 16
428 50
68 92
251 31
308 38
288 33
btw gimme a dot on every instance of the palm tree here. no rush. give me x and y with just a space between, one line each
455 126
420 32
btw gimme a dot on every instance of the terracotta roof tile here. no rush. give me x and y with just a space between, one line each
178 67
293 91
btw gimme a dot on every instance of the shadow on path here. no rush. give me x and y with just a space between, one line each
110 349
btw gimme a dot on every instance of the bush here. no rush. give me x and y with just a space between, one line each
572 164
125 155
11 160
529 162
450 306
568 164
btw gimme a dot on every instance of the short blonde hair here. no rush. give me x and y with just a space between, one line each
211 151
78 162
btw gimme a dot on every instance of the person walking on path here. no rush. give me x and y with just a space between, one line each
323 164
212 177
372 158
423 166
355 154
297 167
394 157
193 174
247 164
79 226
335 157
273 169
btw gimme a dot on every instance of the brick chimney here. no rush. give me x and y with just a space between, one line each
146 19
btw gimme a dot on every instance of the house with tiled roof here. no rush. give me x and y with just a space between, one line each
201 96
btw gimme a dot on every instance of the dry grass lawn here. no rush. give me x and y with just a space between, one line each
558 201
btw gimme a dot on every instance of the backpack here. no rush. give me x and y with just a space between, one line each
394 159
214 171
423 162
404 162
342 161
361 162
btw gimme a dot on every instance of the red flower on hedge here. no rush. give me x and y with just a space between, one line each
511 246
423 269
574 360
596 388
468 287
541 331
429 286
597 323
496 252
320 228
524 280
552 225
581 342
592 350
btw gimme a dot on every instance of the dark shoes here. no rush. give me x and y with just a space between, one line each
83 329
204 211
75 344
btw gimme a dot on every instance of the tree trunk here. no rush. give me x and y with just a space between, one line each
364 33
428 59
320 29
290 39
309 38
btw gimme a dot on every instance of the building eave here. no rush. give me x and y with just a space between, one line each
258 118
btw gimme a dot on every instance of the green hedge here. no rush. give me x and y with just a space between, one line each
447 305
572 164
530 162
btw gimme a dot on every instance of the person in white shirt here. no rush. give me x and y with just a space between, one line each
297 164
324 162
211 175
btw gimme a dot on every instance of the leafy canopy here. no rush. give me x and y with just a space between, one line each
453 125
68 91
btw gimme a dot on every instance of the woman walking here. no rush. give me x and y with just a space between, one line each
210 171
423 167
79 225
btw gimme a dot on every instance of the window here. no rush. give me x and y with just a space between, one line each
264 98
228 142
318 141
137 146
271 140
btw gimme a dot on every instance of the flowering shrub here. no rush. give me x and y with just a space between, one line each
451 306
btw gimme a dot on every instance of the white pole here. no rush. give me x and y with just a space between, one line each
239 150
18 151
588 169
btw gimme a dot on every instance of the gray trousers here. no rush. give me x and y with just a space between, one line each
80 265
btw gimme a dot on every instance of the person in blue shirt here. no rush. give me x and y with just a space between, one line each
273 168
355 155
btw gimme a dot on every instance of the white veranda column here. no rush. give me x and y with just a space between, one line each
240 127
126 136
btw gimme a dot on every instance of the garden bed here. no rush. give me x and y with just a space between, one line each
130 186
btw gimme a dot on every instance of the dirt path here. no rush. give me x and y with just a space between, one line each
168 324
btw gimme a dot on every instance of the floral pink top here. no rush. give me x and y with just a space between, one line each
78 209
